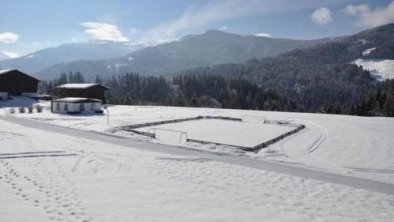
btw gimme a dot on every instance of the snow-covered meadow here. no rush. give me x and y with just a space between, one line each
59 177
351 145
381 69
47 176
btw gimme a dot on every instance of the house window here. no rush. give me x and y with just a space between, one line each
66 107
58 106
92 106
82 107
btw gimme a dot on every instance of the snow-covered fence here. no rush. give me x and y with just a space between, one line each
218 144
160 123
223 118
152 132
276 139
253 119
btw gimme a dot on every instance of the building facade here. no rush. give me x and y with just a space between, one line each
75 105
15 82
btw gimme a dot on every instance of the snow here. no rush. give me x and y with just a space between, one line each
99 181
5 71
349 145
77 85
11 55
29 56
74 177
366 52
382 68
16 101
75 99
225 131
363 41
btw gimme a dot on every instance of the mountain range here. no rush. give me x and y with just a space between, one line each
35 62
199 50
210 48
3 56
105 59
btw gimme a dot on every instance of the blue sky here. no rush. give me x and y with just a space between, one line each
30 25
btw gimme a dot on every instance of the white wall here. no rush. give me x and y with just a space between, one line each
75 107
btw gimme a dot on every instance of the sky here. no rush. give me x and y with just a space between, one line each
30 25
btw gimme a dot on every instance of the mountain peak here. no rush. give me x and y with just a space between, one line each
3 56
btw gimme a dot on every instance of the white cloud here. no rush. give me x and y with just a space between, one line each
8 37
104 31
356 9
371 18
322 16
11 54
266 35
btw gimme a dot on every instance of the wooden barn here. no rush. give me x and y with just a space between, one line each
82 90
74 105
15 82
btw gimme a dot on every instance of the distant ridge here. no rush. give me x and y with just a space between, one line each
34 62
209 48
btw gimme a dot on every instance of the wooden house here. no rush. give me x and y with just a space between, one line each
82 90
15 82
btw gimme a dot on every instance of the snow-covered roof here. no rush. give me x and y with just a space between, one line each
75 100
79 85
5 71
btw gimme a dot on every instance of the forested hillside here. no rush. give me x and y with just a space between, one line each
321 78
318 79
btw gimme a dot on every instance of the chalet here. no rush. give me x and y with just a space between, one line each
82 90
15 82
75 105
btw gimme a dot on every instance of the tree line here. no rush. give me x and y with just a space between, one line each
219 91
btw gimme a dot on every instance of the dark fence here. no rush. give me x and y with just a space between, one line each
298 127
276 139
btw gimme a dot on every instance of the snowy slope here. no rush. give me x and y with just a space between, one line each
360 146
381 68
55 177
4 56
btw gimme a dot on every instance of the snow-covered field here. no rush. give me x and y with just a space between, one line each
358 146
62 177
46 176
225 132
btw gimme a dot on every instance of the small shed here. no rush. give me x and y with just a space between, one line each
83 90
15 82
76 105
